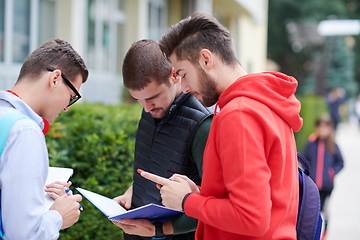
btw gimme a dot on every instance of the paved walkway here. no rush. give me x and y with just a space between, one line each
344 205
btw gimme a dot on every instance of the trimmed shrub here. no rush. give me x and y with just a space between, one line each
312 107
97 141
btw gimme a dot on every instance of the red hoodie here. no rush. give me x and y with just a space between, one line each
250 181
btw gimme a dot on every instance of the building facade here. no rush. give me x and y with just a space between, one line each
103 30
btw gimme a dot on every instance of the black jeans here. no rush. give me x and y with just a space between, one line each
324 195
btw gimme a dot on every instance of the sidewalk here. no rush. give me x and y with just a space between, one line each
344 205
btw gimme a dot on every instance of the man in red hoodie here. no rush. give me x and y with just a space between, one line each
250 186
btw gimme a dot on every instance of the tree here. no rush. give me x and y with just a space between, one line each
303 59
339 65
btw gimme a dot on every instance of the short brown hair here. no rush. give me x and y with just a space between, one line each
196 32
144 62
57 54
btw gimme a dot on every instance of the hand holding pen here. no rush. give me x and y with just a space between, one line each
68 207
57 188
69 193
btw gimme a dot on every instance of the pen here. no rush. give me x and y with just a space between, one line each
69 193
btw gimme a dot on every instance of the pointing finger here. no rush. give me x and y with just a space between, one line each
152 177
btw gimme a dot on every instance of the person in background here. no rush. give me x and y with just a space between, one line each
357 109
48 83
171 137
325 160
334 99
249 188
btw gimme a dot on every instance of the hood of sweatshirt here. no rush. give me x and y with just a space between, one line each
274 89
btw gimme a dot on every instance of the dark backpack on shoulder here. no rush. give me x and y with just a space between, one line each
309 221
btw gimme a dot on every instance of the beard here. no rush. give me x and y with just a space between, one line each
207 88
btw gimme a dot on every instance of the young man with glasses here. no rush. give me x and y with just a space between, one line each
171 137
40 94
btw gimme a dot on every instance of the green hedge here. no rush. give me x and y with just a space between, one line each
97 141
312 106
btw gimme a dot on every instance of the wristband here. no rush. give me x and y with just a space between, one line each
184 199
159 233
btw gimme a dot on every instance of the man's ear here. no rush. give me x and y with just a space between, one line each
54 79
206 60
175 78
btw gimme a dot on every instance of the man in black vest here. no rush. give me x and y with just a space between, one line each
171 137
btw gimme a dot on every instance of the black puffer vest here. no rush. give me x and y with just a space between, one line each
164 148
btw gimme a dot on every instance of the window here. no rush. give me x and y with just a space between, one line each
105 20
23 24
2 29
14 30
21 30
189 6
157 22
47 21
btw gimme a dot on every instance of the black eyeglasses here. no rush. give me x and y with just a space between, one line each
77 96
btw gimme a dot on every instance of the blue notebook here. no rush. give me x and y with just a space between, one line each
115 212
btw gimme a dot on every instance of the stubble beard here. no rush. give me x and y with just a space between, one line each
207 89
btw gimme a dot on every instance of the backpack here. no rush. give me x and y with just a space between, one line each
309 221
6 123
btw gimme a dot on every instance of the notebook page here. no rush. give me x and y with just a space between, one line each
106 205
56 174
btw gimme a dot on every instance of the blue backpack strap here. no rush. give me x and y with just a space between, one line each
6 123
304 163
309 222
